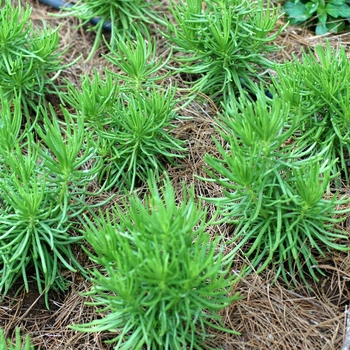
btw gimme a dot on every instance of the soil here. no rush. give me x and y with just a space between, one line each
269 316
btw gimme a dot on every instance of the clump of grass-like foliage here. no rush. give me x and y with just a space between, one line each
131 129
136 57
163 278
316 87
42 191
274 189
29 59
129 115
223 42
6 344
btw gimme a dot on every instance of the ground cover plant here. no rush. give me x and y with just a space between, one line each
312 87
167 277
62 148
224 43
30 57
43 190
7 344
136 58
325 15
274 191
130 129
129 114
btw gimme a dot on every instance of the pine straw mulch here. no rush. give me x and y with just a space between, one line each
269 316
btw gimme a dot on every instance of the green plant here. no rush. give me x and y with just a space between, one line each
10 122
129 114
325 15
131 128
274 190
137 60
94 100
29 59
138 136
118 15
163 279
6 344
42 189
69 158
316 87
223 42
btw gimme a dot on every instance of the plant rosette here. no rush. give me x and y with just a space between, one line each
223 44
274 191
30 59
163 279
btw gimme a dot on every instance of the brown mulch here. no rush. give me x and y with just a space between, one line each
269 316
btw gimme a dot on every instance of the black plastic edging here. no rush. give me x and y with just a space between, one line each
57 4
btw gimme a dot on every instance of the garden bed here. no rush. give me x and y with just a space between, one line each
269 315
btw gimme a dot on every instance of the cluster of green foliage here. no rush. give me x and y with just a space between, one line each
167 276
42 190
49 161
163 279
129 116
224 43
6 344
117 15
29 59
313 87
325 15
274 189
42 182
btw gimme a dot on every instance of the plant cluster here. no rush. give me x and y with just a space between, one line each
29 59
274 188
129 115
313 87
324 15
163 279
223 43
42 190
137 61
6 344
